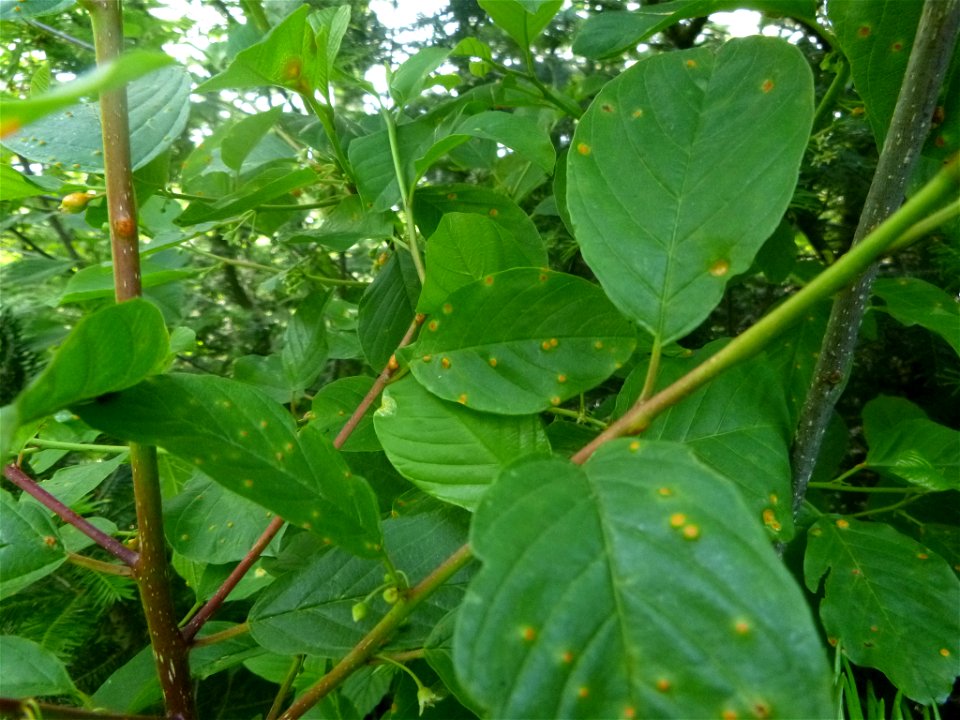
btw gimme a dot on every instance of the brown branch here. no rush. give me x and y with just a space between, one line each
909 126
30 486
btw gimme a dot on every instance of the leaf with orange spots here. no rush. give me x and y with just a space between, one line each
538 325
447 450
249 444
891 601
877 37
673 201
599 596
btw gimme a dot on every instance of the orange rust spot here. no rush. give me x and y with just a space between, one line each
923 556
864 31
874 628
691 532
842 524
833 641
897 46
774 499
677 520
635 445
263 423
567 657
492 362
939 141
607 108
543 277
583 149
291 68
49 541
691 63
433 325
555 400
494 212
124 226
451 196
720 268
663 684
554 342
529 633
767 86
447 308
729 715
583 692
858 110
561 378
598 345
462 399
665 492
856 571
445 363
427 358
488 280
761 710
545 345
392 363
939 115
638 113
629 713
944 652
741 627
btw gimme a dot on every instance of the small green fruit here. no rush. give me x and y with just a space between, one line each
391 595
359 611
75 202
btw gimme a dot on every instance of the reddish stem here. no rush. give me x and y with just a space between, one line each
30 486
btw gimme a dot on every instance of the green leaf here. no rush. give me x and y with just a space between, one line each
877 38
449 451
295 54
521 341
309 610
889 601
268 185
346 225
23 9
245 135
96 281
639 585
304 351
29 669
607 34
408 81
902 441
248 444
71 484
29 546
520 133
14 185
208 523
112 349
159 105
681 168
265 372
912 301
523 20
129 66
464 248
738 425
387 308
430 204
333 405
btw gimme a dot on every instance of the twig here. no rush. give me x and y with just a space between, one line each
933 48
61 35
30 486
12 707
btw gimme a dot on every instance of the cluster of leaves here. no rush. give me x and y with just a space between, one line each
564 238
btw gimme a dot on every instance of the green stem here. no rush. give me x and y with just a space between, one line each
99 565
888 508
343 282
927 226
942 187
231 261
405 195
651 380
285 686
325 114
363 651
214 638
578 416
854 488
76 447
829 100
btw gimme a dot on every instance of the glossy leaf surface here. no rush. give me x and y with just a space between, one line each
249 444
29 545
29 669
670 603
520 341
387 308
451 452
159 105
309 610
871 604
85 366
913 301
523 20
680 170
464 248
